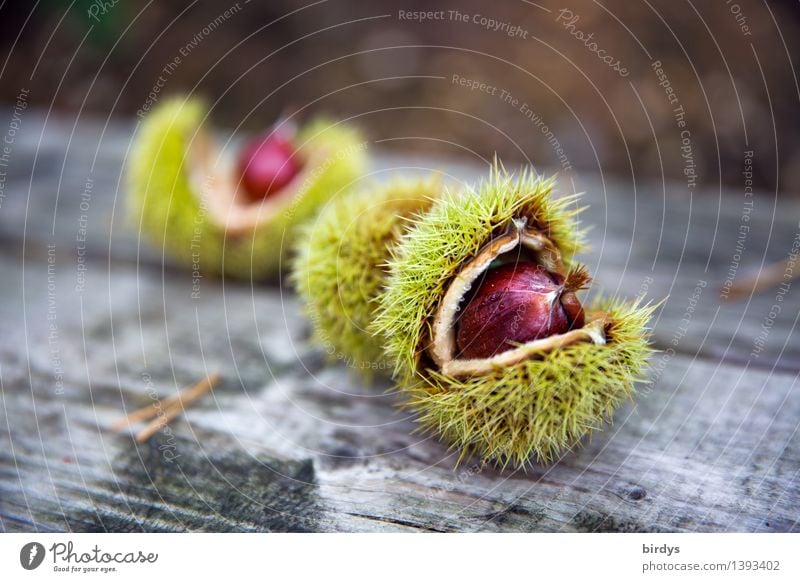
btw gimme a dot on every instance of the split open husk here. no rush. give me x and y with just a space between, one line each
534 400
184 194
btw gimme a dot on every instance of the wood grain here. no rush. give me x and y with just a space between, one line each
288 442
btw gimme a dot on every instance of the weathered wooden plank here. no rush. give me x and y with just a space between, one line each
644 237
288 443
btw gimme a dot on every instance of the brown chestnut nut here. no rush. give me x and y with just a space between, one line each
514 304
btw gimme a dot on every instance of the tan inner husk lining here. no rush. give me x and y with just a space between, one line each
218 187
443 348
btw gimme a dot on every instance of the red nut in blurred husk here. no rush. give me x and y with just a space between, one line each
268 164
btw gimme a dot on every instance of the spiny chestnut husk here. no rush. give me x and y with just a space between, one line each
194 202
340 265
516 396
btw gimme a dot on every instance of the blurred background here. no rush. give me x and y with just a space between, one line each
727 64
678 120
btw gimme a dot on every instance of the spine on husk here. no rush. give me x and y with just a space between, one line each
530 370
340 266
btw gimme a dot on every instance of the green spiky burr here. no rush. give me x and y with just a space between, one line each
533 399
186 196
340 265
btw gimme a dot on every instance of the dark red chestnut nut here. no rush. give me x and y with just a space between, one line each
267 164
516 303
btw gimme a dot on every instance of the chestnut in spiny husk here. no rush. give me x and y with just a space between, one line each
480 317
220 211
514 304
